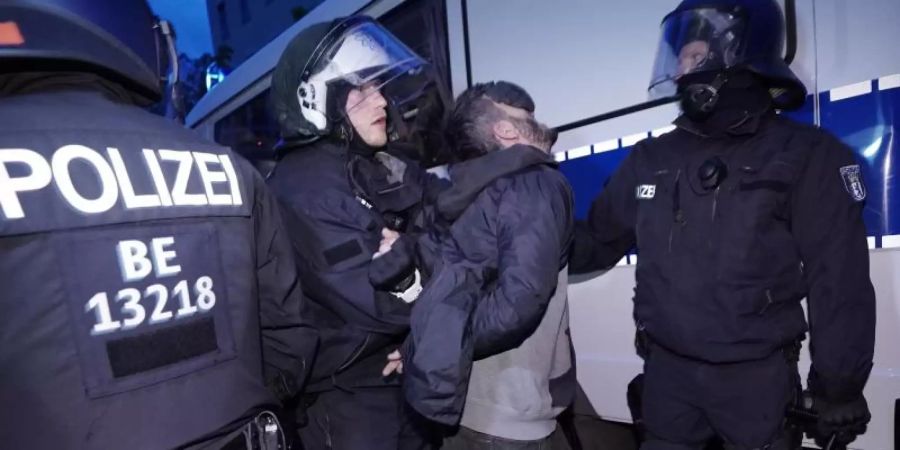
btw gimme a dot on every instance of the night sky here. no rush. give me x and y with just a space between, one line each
191 24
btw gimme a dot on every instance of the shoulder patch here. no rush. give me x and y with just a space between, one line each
853 182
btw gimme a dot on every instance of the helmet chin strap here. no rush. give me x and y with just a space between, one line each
699 100
347 135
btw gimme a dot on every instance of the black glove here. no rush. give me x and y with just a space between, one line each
390 271
845 420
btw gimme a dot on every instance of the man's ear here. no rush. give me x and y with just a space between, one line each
505 130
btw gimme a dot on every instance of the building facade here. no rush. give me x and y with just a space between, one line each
245 26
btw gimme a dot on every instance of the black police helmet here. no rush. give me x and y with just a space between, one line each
287 77
327 60
740 34
116 39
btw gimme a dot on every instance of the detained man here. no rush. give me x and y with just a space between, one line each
489 350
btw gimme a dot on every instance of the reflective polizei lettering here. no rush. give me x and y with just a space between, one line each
216 172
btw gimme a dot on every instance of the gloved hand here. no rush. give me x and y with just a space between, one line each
845 419
392 268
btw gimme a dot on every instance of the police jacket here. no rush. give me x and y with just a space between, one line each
139 264
337 200
499 238
721 270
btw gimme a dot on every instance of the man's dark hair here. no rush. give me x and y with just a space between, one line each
469 129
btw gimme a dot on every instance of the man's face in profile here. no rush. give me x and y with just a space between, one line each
531 132
691 56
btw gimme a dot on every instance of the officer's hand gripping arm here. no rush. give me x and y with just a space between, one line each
335 254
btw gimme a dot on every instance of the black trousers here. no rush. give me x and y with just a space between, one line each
686 402
467 439
373 418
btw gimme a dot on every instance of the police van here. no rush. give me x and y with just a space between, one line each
587 64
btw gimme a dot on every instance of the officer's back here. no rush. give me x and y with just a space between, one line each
135 268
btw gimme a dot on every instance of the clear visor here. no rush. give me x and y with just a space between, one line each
162 52
696 40
366 56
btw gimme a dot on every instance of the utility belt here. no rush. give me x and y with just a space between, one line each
644 345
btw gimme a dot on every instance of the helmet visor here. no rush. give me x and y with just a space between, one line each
696 40
366 55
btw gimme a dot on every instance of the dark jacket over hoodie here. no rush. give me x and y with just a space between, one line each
499 243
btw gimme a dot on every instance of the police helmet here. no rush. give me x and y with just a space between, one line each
324 61
117 39
709 37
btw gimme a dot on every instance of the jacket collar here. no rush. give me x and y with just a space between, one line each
471 177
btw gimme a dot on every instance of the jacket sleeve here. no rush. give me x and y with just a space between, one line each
827 205
334 242
533 226
608 233
289 344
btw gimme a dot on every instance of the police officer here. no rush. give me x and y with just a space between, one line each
149 293
351 206
738 214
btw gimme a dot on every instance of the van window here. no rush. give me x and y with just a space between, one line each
251 131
